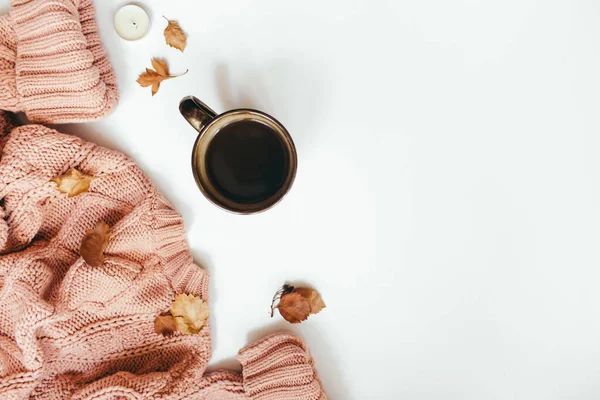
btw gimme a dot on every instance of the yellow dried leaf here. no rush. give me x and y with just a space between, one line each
93 244
155 87
148 78
154 78
73 182
174 35
160 66
190 313
164 325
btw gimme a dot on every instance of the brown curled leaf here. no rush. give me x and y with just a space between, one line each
293 307
190 313
165 325
175 36
93 244
154 77
313 297
73 182
296 304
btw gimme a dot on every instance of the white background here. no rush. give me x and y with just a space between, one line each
447 198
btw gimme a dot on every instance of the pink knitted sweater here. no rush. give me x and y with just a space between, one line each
70 330
52 63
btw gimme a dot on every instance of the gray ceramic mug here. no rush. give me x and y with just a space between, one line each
209 124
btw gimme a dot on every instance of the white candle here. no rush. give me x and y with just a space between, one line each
132 22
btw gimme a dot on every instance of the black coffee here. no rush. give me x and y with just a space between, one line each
247 162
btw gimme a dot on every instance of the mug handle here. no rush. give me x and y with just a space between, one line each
196 112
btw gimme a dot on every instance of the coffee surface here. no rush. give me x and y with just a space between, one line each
246 162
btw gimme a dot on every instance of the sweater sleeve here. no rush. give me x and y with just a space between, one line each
276 367
280 367
9 99
52 63
8 88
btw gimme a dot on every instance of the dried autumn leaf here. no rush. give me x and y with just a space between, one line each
293 307
296 304
190 313
175 36
313 297
154 77
160 66
164 325
73 182
93 244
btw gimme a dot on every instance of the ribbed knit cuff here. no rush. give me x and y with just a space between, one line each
62 74
279 367
9 98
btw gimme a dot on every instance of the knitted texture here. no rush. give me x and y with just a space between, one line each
53 66
279 366
69 330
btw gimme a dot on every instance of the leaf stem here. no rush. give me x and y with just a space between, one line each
276 297
284 289
177 76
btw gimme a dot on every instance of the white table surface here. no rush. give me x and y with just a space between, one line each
447 203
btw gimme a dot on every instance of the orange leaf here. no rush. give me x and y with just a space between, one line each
293 307
155 87
160 66
174 35
313 297
93 244
154 78
296 304
164 325
190 313
73 182
149 77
